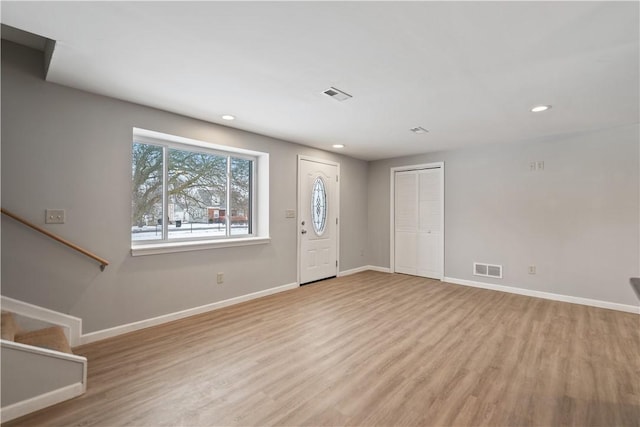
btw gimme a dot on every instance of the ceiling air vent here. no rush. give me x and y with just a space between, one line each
487 270
337 94
418 129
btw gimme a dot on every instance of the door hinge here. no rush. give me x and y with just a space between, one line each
336 221
336 178
336 263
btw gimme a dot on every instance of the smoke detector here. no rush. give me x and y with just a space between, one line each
418 129
337 94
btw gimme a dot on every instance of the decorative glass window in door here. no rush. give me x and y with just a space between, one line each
319 206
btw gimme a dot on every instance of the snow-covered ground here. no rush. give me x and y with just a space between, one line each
187 230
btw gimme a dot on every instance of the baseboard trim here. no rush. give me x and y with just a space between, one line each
545 295
353 271
36 403
154 321
380 269
363 268
72 325
42 351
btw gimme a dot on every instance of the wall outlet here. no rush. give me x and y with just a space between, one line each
532 269
536 166
220 278
54 216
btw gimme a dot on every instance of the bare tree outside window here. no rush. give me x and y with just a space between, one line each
197 192
146 193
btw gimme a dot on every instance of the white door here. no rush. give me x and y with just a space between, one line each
418 237
317 220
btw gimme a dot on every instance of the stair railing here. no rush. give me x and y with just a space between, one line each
103 262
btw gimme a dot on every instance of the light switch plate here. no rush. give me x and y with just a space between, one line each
54 216
290 213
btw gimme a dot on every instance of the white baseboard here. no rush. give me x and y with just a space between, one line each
36 403
380 269
546 295
363 268
353 271
130 327
43 351
72 325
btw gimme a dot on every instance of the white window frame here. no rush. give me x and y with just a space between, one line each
259 196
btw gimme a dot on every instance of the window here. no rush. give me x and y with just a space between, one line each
189 194
318 206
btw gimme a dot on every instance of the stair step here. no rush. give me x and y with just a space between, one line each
52 338
9 328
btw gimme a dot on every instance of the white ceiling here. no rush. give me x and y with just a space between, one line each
467 71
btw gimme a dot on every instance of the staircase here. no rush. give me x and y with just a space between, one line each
52 337
39 368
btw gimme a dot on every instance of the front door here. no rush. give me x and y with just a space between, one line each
318 219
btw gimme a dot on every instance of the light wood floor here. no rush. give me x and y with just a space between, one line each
369 349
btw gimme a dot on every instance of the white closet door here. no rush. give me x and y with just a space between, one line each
406 222
429 233
418 222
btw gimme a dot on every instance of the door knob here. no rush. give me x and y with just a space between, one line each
302 223
304 231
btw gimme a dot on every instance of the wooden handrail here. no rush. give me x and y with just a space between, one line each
103 262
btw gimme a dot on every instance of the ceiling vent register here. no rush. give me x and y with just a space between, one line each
418 129
337 94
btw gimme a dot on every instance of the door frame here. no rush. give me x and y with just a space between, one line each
299 209
392 222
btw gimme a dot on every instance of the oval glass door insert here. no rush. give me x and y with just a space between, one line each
319 206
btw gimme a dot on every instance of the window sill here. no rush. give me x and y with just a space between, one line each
171 247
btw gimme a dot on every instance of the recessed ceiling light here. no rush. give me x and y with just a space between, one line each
540 108
228 117
338 145
418 129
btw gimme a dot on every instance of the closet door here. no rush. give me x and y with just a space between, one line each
429 260
418 222
406 222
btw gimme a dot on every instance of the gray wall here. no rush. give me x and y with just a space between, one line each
577 220
67 149
26 375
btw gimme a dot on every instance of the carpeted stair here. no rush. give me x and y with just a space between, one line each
52 338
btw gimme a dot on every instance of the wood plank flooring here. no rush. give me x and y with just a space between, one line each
368 349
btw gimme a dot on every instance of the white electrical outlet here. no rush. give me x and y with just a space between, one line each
538 165
220 278
532 269
54 216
